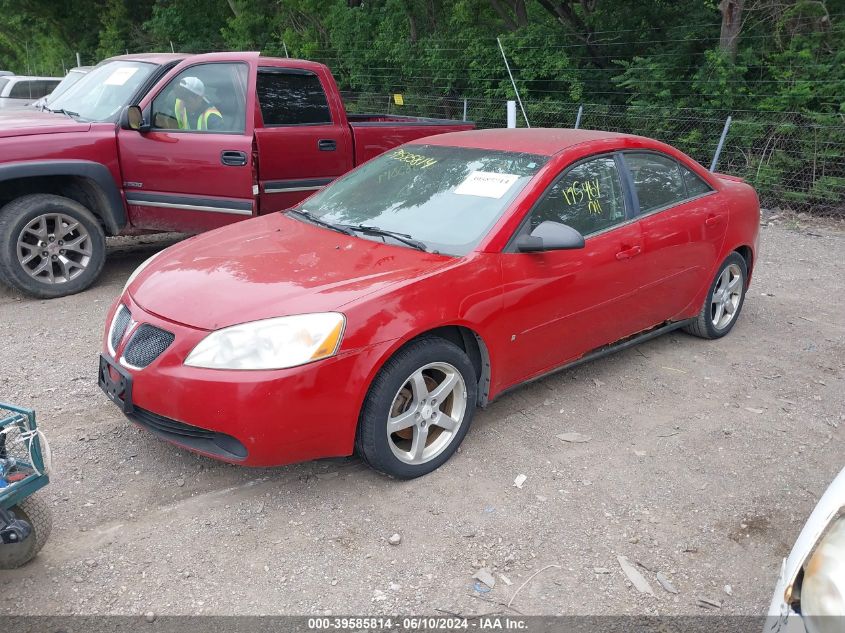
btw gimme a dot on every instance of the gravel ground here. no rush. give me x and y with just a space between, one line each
704 459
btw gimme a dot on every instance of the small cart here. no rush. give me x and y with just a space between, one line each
25 519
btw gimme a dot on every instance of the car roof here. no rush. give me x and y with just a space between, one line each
542 141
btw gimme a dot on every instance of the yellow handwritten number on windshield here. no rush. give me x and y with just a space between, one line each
414 160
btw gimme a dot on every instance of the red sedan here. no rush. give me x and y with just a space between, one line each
375 317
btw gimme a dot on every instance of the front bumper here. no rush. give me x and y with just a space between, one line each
255 418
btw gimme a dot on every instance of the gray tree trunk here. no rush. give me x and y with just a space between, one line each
731 26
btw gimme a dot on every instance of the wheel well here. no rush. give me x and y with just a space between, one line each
746 254
83 190
474 346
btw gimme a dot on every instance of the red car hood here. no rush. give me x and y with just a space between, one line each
31 121
268 267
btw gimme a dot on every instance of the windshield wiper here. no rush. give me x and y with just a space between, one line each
63 111
340 228
399 237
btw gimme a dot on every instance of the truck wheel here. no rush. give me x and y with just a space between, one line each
35 511
50 246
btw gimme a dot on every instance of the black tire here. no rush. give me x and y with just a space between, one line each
703 325
35 511
372 442
17 215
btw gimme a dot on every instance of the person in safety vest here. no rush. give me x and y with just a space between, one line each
193 110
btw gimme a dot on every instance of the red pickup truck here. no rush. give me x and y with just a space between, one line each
172 142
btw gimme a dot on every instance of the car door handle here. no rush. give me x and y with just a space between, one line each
628 253
712 220
326 145
233 158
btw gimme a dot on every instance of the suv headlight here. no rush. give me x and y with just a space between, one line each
271 343
823 587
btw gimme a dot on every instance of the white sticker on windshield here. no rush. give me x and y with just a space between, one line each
120 76
486 184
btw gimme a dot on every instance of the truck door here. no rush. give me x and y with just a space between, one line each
193 169
303 144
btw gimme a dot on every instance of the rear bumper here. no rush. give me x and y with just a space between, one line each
254 418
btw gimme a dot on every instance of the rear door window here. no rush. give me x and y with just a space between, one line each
695 185
661 182
290 97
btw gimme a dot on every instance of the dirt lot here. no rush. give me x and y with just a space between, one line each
704 460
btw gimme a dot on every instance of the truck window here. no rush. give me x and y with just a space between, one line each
204 98
292 98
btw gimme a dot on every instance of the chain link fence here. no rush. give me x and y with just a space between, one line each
796 161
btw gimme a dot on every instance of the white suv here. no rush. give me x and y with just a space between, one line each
17 91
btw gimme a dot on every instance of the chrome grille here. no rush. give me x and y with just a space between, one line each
146 344
119 324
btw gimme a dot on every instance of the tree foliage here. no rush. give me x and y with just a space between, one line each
650 60
777 54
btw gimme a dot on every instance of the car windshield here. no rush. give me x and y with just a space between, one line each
445 197
3 83
100 95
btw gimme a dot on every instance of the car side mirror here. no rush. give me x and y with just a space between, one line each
132 118
550 236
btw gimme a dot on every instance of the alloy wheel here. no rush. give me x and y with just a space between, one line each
426 413
54 248
726 297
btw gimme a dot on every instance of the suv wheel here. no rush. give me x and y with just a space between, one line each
50 246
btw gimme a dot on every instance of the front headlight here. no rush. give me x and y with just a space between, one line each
272 343
823 587
138 270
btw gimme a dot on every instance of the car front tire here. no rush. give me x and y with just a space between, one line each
50 246
418 409
724 300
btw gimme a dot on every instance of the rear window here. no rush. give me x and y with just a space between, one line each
289 98
3 83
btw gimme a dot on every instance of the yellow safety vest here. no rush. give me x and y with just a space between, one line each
202 119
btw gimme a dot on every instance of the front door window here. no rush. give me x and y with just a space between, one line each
204 98
588 197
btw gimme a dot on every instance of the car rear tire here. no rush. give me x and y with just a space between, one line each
50 246
724 300
418 409
35 511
